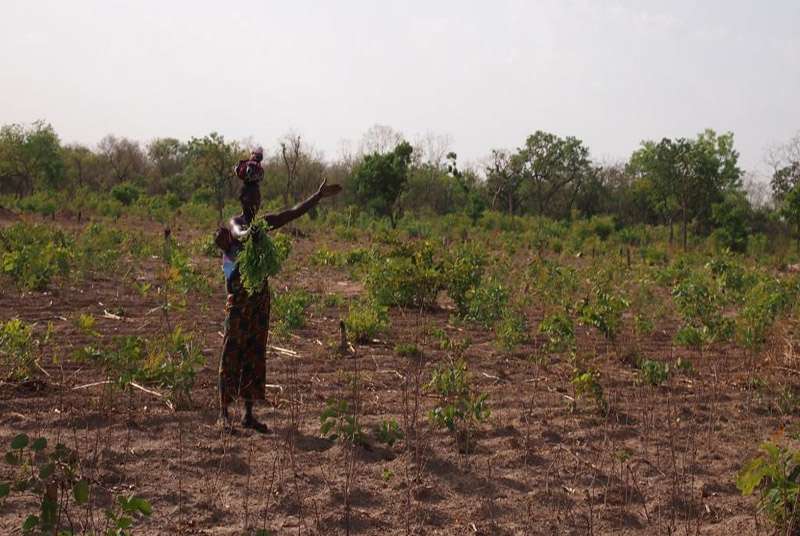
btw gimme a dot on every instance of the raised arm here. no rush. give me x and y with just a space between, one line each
279 219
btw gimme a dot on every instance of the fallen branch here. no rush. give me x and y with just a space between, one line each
283 351
105 382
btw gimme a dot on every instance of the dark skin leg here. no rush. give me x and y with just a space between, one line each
248 421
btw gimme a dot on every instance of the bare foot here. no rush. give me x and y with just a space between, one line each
253 424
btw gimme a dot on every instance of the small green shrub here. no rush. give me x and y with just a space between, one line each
170 361
338 422
17 351
290 307
462 272
365 320
653 372
459 408
560 332
776 475
126 193
389 432
486 303
332 300
409 350
33 255
512 329
587 384
603 310
407 277
54 478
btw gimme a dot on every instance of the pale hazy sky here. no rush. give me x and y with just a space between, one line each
487 73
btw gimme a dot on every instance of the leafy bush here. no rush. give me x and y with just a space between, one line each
54 478
410 350
126 193
407 277
702 311
603 310
512 329
17 351
32 255
459 408
587 384
776 474
43 203
560 332
653 372
389 432
338 422
326 257
170 361
365 320
763 303
463 271
289 308
485 304
182 275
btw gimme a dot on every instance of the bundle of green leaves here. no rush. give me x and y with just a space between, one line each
261 257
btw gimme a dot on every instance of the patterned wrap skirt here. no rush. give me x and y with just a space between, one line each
243 365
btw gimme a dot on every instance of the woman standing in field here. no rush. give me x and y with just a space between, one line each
242 369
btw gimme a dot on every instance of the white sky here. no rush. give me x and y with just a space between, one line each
486 73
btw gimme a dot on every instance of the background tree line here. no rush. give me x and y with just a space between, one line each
692 185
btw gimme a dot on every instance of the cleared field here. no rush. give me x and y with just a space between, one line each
649 442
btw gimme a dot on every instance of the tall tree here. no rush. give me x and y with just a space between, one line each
30 158
211 159
123 159
552 171
688 176
502 182
82 165
291 154
380 178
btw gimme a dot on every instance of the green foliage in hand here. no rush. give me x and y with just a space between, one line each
261 257
776 474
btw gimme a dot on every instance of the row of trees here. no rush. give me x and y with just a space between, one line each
694 183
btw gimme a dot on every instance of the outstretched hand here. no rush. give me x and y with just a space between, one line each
326 190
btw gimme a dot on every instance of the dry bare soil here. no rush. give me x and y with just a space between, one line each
663 461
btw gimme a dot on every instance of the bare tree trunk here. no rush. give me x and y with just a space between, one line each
685 241
291 157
